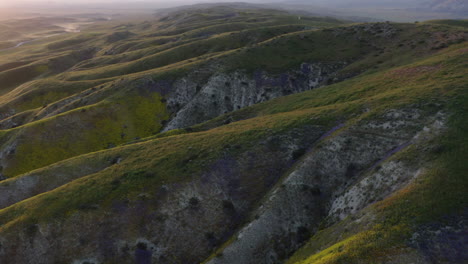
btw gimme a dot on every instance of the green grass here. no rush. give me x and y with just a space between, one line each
42 83
218 43
96 109
274 55
11 78
102 125
161 156
149 163
450 22
438 193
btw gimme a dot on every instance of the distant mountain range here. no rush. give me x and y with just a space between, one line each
396 10
435 5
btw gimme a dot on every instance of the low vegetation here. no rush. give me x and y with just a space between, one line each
82 129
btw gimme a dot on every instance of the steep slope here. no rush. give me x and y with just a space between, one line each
181 84
363 163
92 78
167 194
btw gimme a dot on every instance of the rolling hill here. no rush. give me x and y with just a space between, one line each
233 134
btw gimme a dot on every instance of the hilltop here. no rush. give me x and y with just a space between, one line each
233 134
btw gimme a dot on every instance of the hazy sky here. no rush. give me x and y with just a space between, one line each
95 1
71 2
74 1
394 10
18 2
326 2
12 2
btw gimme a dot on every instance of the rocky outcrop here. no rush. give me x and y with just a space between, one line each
191 99
179 222
332 181
194 103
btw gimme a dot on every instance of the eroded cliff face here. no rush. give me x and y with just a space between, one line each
183 223
193 103
339 177
87 177
305 175
199 96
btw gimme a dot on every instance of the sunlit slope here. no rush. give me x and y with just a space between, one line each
93 85
235 135
98 107
136 193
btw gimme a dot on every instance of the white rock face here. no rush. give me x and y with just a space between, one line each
224 93
334 181
391 177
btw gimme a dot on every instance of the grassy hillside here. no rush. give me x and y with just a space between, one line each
435 199
85 75
86 162
272 49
